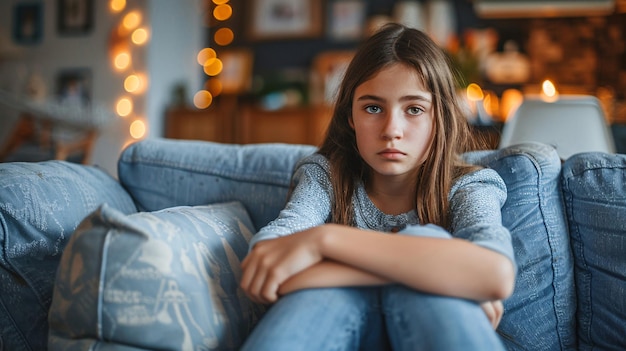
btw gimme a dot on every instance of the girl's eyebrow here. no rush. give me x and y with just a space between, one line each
404 98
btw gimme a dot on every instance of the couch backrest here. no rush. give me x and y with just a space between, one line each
540 313
162 173
594 189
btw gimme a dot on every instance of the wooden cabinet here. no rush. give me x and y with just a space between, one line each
251 124
211 125
295 125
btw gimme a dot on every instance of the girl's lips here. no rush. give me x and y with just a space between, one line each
391 153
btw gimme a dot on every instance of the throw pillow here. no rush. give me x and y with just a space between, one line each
170 277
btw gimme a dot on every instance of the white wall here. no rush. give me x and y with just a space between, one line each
169 57
177 36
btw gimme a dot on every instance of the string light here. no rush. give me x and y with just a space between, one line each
127 33
117 5
209 60
138 129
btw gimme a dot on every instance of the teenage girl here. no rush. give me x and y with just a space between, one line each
389 240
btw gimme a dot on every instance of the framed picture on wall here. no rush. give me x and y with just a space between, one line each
236 75
73 86
346 19
285 19
74 17
28 23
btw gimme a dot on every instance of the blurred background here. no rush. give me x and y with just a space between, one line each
81 79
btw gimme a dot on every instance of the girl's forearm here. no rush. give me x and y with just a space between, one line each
327 274
451 267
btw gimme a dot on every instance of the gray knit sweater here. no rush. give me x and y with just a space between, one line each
475 203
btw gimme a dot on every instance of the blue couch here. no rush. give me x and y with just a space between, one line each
151 260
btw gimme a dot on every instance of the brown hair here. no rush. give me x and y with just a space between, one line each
393 44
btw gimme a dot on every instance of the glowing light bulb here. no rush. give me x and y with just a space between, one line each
222 12
202 99
137 129
135 83
124 107
220 2
224 36
117 5
132 20
140 36
213 67
474 92
122 60
548 91
205 55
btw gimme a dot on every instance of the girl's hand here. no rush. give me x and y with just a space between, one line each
494 311
272 262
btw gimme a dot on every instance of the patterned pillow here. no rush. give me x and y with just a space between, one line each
162 280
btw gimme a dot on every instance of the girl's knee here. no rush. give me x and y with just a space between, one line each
399 298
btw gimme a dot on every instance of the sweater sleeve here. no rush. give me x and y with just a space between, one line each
309 204
476 200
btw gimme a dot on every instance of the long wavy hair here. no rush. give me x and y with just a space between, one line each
394 44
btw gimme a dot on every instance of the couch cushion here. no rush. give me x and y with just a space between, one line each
594 188
166 280
40 206
540 313
161 173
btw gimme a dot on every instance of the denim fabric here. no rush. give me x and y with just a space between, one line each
40 206
165 280
594 188
540 315
162 173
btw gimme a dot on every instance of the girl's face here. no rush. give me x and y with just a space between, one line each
393 121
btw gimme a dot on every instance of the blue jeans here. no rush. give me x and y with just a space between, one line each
391 317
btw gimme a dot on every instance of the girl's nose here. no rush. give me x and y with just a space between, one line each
392 127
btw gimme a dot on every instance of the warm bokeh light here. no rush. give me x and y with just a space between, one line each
132 20
548 88
220 2
474 92
137 129
222 12
205 55
510 101
202 99
122 60
213 67
124 107
491 104
548 91
135 83
214 86
140 36
117 5
224 36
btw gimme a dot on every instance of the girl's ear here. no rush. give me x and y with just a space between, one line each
351 122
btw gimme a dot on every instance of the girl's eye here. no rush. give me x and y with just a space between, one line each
415 111
372 109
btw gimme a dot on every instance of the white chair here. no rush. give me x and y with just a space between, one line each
572 124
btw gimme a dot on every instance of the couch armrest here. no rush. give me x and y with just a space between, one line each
41 204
